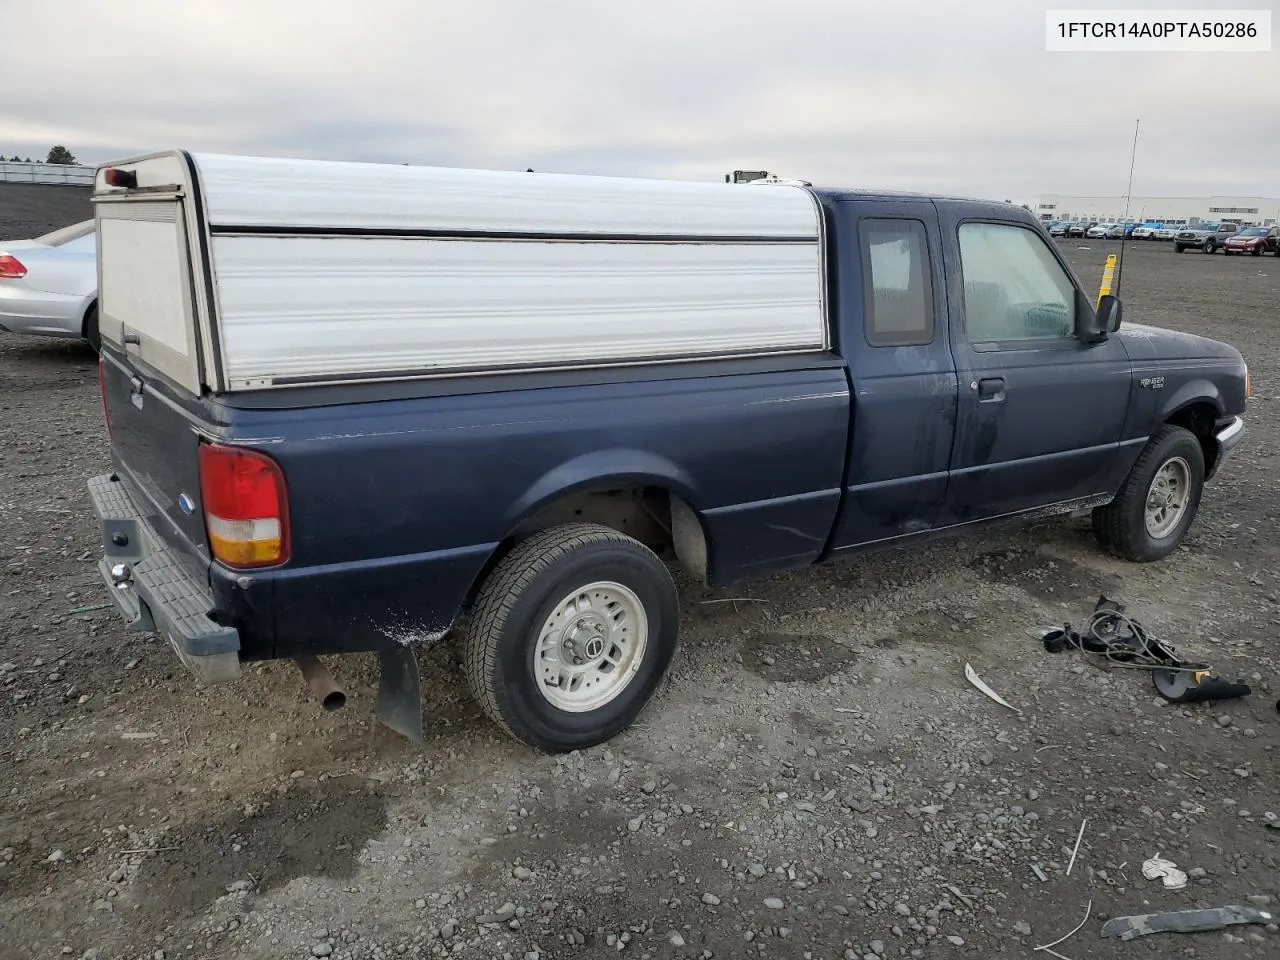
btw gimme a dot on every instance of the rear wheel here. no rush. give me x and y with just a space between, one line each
90 329
1158 501
572 635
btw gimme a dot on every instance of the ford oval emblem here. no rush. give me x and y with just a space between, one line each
186 504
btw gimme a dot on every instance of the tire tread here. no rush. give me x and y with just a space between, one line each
1110 525
503 589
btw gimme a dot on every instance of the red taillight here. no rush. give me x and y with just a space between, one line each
115 177
245 506
102 389
11 268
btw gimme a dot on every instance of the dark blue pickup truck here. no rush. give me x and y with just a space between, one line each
363 408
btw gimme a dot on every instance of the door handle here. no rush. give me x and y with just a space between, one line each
990 389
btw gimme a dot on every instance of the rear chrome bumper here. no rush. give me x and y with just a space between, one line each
154 589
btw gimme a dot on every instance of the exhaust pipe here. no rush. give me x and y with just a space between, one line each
321 683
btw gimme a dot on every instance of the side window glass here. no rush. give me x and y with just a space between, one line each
895 263
1014 288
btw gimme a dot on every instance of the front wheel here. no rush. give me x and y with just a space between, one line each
1226 252
1158 500
1179 248
1257 250
1210 246
573 633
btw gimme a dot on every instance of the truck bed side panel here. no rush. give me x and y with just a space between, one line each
397 505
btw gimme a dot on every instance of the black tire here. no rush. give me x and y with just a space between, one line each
1257 250
1225 252
1210 247
1179 248
518 598
90 329
1120 526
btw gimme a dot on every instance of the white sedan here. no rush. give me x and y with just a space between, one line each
49 285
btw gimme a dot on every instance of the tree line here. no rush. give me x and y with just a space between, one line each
58 155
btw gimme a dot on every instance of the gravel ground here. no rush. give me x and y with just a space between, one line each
818 780
30 209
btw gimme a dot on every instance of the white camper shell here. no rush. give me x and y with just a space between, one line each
229 273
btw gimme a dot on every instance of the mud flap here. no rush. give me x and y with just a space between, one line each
400 693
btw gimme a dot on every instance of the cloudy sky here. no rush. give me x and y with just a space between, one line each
934 95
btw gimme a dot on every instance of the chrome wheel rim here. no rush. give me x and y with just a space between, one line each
1167 497
590 647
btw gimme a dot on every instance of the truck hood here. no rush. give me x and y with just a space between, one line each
1175 345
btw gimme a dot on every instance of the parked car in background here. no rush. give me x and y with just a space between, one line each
1146 231
1101 231
1168 231
49 285
1255 241
1059 229
1206 237
1079 228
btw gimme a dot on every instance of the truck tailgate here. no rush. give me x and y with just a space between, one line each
155 451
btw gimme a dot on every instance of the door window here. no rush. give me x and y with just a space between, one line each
895 262
1014 288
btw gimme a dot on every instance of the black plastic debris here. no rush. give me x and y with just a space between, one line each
1114 636
1181 686
1184 921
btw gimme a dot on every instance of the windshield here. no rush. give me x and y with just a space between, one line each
74 232
1253 232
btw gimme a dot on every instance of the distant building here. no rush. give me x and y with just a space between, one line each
12 171
1264 211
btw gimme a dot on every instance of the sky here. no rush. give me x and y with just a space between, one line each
929 95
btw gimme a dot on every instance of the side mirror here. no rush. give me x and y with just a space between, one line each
1093 326
1109 313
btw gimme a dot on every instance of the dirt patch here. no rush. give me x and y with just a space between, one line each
809 726
928 627
1043 576
313 832
793 658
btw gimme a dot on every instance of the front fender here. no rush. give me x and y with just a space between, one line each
1198 390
